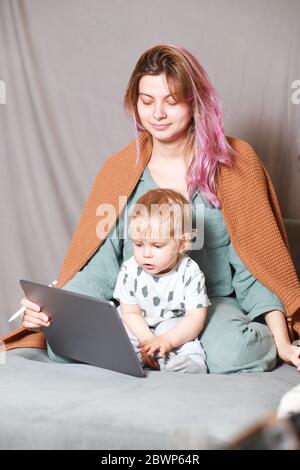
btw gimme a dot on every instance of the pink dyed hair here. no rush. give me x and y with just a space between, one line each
205 136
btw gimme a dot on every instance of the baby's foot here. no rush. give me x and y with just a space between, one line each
164 360
183 363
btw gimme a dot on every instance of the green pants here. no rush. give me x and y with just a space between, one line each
233 343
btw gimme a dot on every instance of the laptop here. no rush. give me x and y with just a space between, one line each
85 329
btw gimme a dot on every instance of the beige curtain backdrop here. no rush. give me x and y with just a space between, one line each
65 65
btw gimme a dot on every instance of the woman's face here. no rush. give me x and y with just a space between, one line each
155 107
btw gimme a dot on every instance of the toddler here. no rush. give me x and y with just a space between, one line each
161 290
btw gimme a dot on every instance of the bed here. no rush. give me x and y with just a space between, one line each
45 405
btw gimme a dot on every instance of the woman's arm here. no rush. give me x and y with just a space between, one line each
98 276
287 352
251 294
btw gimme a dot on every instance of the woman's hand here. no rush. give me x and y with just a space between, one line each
290 354
276 321
158 344
33 319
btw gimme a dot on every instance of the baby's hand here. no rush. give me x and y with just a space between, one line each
150 361
160 344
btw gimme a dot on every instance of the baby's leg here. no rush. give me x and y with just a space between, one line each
194 351
189 357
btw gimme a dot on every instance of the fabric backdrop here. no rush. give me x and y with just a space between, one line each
64 68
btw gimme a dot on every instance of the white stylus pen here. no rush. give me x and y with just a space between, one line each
22 309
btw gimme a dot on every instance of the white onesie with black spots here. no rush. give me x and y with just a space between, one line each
164 298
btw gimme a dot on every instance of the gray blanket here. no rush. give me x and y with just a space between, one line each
45 405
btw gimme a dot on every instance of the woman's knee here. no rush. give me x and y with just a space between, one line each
58 359
233 344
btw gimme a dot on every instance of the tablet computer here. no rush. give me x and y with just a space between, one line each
85 329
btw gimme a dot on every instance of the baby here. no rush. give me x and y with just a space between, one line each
161 290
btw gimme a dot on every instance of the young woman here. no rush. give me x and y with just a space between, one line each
180 144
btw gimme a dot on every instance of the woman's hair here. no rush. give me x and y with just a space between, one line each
162 213
187 81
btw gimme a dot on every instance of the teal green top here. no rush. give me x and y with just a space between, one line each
225 273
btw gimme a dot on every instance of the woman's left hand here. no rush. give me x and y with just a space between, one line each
290 354
159 344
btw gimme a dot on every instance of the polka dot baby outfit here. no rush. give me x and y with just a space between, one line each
162 296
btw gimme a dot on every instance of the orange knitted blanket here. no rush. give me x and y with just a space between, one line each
250 209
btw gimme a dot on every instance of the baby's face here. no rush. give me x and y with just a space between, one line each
156 256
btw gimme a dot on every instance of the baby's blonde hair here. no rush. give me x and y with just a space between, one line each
158 206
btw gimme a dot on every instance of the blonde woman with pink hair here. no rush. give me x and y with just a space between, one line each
180 144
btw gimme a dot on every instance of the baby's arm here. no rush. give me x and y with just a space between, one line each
132 316
196 304
188 328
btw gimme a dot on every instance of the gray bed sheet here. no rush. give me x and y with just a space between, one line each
45 405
